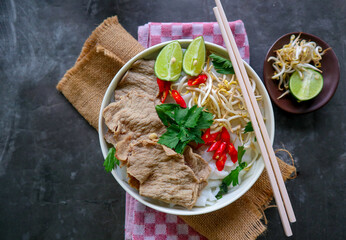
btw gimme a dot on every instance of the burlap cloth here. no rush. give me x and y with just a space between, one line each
108 48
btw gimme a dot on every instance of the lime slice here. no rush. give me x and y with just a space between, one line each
168 62
308 87
194 57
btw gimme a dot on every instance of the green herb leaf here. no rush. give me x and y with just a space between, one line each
170 137
248 127
193 116
205 120
166 113
180 115
233 177
222 65
184 125
180 147
241 152
110 160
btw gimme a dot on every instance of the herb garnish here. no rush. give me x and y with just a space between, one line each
233 177
183 125
222 65
110 160
248 127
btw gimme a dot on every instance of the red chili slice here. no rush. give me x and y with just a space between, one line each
225 135
164 96
198 80
164 87
214 146
178 99
209 138
232 152
220 151
161 84
220 164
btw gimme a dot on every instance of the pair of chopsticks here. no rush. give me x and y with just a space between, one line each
280 193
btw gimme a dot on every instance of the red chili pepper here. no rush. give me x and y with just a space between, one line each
220 164
198 80
220 151
232 152
164 96
161 84
214 146
209 138
225 135
178 99
164 87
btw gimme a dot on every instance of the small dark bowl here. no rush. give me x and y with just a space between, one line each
330 71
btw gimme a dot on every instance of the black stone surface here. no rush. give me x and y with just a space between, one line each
52 183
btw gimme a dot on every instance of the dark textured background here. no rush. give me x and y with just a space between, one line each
52 183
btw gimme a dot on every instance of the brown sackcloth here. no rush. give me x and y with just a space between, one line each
107 49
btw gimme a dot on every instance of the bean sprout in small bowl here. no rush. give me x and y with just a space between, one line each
295 52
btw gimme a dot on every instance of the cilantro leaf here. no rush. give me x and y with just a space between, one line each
241 152
170 137
248 127
110 160
222 65
223 190
232 179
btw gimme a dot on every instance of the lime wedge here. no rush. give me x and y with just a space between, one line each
194 57
308 87
168 62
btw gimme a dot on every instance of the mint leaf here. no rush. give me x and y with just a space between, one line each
170 137
110 160
232 179
248 127
222 65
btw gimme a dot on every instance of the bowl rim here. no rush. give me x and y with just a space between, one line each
265 73
186 212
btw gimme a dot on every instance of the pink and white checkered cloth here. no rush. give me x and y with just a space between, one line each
144 223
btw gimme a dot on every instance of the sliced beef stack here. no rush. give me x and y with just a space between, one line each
155 170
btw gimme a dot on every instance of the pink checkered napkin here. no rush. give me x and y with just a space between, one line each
152 33
144 223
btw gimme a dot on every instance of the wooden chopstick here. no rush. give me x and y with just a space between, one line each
259 117
255 117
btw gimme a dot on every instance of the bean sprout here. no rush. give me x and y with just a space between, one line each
295 56
221 95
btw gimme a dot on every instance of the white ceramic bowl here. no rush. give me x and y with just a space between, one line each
248 180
